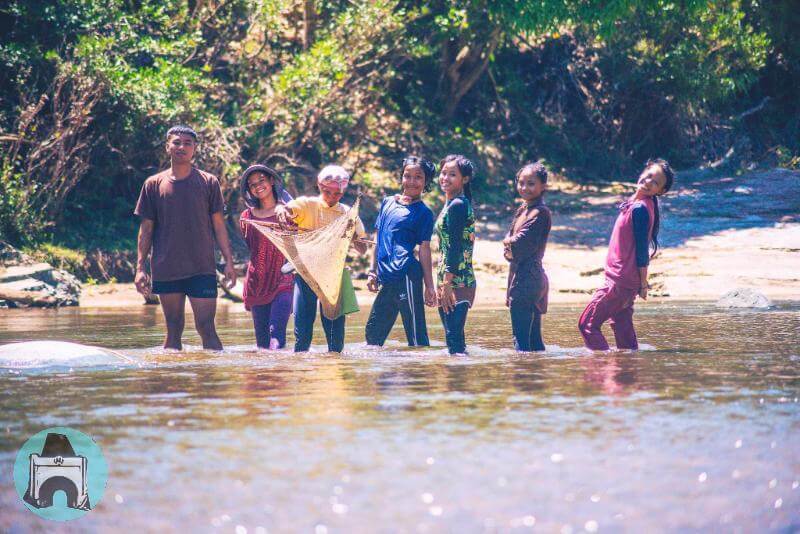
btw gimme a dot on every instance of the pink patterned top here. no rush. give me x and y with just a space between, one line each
264 279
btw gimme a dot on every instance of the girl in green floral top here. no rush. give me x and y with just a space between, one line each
455 229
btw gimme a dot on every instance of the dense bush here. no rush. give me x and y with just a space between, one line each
87 90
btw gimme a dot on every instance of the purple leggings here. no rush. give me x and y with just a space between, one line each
270 321
615 305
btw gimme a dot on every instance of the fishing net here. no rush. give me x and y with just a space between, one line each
317 255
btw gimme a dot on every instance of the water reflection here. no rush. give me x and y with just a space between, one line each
417 440
613 374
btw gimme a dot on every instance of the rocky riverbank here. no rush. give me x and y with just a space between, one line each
26 282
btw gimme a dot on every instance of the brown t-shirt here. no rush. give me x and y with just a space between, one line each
183 236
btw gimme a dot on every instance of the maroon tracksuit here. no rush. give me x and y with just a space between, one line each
614 301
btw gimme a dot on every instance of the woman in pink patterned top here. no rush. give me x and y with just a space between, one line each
267 291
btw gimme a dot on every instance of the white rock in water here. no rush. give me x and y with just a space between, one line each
743 298
49 353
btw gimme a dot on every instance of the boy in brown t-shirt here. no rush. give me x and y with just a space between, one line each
182 212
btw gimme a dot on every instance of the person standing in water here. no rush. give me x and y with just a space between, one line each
404 222
181 211
267 291
524 247
627 261
310 213
455 229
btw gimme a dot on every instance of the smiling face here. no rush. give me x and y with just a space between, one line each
331 193
180 148
529 186
260 185
451 180
413 181
652 181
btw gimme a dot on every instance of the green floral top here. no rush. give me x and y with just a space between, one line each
455 229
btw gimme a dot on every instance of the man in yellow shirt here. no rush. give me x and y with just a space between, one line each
310 213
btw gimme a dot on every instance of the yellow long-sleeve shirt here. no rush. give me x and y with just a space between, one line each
311 213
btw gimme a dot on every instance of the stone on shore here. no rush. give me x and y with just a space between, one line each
24 282
744 298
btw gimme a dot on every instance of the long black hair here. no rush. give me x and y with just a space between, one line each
465 167
244 186
670 176
428 169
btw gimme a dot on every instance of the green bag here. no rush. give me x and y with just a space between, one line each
347 295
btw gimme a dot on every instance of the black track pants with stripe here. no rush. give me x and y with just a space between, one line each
404 296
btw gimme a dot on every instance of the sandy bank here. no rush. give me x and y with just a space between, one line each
702 268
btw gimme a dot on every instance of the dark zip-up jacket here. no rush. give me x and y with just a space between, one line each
527 281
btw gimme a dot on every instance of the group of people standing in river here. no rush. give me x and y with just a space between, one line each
181 211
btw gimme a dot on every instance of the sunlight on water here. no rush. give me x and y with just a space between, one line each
698 430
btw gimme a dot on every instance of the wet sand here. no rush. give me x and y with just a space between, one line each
704 268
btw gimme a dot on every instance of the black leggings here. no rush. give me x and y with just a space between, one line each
454 322
403 296
526 324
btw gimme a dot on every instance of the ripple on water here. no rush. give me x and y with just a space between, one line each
674 437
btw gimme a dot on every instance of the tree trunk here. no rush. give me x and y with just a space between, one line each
463 72
309 23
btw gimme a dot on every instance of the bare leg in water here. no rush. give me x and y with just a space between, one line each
205 310
172 305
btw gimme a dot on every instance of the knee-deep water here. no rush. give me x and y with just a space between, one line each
699 430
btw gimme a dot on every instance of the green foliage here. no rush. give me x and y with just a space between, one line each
329 93
706 56
18 223
60 257
312 77
593 86
787 159
146 73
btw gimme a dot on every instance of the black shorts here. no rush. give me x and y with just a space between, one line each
199 286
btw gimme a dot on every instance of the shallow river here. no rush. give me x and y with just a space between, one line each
700 430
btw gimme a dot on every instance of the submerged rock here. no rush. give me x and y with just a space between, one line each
55 353
24 282
744 298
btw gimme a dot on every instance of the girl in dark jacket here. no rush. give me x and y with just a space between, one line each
525 243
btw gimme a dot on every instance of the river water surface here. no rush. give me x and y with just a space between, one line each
700 430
